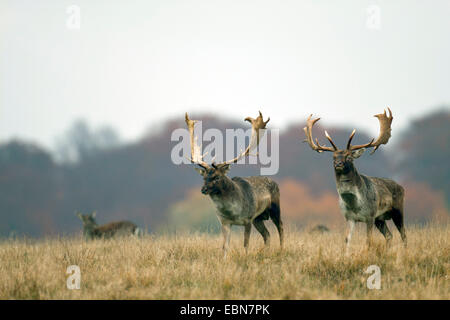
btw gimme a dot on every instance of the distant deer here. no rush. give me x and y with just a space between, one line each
239 201
362 198
92 230
320 228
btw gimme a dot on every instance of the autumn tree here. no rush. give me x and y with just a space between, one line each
423 152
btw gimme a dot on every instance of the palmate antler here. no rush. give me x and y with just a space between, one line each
197 157
316 146
257 124
383 138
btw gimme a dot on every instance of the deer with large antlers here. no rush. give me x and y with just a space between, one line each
239 201
361 198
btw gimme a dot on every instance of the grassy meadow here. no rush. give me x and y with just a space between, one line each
311 266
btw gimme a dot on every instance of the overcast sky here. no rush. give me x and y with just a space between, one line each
133 64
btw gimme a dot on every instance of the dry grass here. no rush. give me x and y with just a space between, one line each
312 266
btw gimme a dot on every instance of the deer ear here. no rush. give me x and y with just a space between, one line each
94 214
224 168
201 171
358 153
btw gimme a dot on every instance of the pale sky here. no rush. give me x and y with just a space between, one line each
133 64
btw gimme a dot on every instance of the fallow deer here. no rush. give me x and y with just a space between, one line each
239 201
362 198
92 230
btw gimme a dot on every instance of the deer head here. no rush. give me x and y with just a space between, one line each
214 175
88 220
343 158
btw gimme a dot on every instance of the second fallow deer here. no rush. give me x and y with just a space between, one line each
361 198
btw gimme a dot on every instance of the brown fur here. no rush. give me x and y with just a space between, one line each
92 230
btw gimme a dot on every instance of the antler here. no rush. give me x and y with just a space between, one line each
257 124
383 138
316 146
196 156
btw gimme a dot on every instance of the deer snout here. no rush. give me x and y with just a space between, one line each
339 164
204 190
341 167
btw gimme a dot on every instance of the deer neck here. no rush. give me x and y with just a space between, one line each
349 182
227 189
228 199
89 230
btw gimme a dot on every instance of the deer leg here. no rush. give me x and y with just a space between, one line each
276 218
397 217
226 232
248 229
382 226
369 232
259 225
351 226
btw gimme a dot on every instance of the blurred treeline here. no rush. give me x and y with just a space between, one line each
93 170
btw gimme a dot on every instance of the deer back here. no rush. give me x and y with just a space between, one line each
115 229
389 194
257 194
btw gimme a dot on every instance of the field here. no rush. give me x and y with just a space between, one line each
311 266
